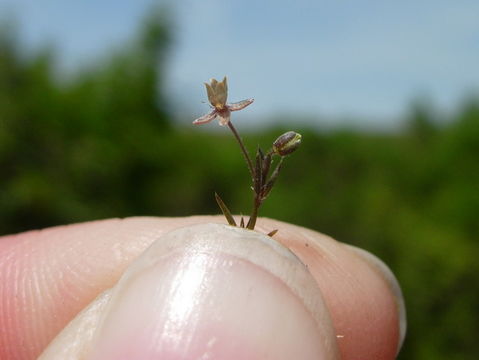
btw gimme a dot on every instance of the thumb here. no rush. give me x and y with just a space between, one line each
205 292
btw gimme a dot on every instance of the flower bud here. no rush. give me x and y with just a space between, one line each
287 143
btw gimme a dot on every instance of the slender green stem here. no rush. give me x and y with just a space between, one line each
243 148
254 213
261 195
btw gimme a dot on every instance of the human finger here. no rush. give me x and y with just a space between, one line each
63 269
207 291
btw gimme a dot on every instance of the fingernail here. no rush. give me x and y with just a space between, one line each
391 280
211 292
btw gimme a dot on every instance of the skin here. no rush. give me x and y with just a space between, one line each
48 277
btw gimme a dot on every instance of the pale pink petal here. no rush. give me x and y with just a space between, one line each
206 118
240 105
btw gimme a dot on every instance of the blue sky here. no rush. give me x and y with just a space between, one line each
328 60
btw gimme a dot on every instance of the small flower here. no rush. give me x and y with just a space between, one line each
287 143
217 96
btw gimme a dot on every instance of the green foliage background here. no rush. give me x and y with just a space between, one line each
102 144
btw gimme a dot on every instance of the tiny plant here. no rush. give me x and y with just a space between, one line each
263 173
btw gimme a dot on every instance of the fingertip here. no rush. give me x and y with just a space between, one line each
216 292
361 302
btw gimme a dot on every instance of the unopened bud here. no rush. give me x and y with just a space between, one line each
287 143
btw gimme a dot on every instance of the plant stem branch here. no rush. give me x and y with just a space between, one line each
243 149
254 213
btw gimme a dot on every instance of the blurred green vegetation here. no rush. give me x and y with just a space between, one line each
101 144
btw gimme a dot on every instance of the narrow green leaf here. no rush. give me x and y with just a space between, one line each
267 160
224 209
242 222
271 233
269 185
257 182
260 152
